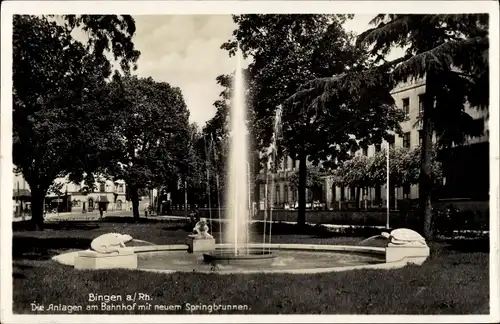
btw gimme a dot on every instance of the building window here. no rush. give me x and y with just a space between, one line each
277 195
118 205
121 188
285 192
378 147
102 187
406 107
421 99
406 140
365 151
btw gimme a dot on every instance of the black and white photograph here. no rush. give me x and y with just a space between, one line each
249 161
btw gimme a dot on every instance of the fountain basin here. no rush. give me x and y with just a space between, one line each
125 258
251 256
286 258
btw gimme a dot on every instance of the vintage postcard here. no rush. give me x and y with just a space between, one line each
249 161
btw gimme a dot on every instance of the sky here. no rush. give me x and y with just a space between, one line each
184 50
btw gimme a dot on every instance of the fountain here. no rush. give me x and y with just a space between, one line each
238 204
235 252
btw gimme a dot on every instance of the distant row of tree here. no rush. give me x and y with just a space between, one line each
363 171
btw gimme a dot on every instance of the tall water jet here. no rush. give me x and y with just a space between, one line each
237 204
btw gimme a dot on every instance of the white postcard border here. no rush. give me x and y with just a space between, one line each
235 7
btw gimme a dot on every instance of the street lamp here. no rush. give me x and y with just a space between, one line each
248 179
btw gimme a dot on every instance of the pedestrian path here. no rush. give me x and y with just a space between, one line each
70 216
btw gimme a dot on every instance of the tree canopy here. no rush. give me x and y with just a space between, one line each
60 98
450 51
152 135
369 171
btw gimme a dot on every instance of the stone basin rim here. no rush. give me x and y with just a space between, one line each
379 251
273 246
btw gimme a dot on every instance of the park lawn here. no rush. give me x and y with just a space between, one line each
454 280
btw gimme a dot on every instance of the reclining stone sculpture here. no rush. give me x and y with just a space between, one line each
110 242
405 236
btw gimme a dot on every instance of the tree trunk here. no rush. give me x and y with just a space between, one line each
256 194
158 201
301 217
334 196
37 209
358 196
38 193
134 196
392 196
425 181
186 212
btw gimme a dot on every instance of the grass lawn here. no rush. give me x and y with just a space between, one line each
454 280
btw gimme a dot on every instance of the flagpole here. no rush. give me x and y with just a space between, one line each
388 186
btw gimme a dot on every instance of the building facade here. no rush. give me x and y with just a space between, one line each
465 167
107 195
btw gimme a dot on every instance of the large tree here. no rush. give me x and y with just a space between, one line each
286 52
152 135
60 97
451 53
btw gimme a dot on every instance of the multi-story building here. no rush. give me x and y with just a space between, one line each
465 167
108 195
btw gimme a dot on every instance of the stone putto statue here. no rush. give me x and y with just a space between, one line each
200 230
